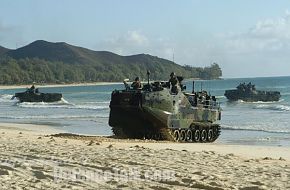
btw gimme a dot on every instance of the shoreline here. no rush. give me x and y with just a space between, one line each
6 87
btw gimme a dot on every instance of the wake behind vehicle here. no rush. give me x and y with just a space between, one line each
248 93
155 112
33 95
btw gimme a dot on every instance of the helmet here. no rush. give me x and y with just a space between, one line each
172 74
137 78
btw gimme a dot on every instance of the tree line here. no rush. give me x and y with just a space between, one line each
28 70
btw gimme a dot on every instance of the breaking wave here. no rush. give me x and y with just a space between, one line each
7 98
220 97
273 107
65 105
53 116
260 102
89 107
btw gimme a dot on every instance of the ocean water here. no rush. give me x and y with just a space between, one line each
85 110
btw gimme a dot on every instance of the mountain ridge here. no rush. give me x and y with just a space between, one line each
52 50
62 62
3 50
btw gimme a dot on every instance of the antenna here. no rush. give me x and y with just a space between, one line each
173 55
148 76
209 87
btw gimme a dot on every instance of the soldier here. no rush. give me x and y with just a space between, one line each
254 87
173 81
32 89
136 84
249 87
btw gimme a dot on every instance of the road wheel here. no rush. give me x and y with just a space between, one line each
189 135
203 135
182 136
176 135
196 135
210 135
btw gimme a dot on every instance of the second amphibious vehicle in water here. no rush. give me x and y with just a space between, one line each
248 93
154 111
33 95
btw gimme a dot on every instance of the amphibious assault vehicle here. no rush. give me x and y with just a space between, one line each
33 95
155 112
248 93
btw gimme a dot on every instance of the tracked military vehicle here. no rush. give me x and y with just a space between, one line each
33 95
155 112
248 93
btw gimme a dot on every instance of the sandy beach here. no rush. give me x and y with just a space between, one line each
33 159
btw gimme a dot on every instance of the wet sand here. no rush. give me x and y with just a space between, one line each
33 159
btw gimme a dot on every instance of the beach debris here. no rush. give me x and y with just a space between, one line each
39 138
90 143
229 156
20 133
137 147
110 146
4 172
39 174
282 159
267 158
51 139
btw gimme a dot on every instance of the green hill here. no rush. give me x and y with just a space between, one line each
46 62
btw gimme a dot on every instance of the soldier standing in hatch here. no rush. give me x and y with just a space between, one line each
173 81
32 89
136 84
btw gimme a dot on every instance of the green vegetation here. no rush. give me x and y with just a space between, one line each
45 62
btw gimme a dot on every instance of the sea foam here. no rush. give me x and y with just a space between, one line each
277 107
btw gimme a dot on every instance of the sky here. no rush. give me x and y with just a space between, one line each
247 38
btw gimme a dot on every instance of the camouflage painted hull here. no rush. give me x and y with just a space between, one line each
38 97
152 115
265 96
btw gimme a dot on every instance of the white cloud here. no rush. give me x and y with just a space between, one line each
267 35
135 42
132 42
262 50
131 38
10 35
135 37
